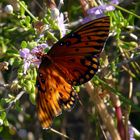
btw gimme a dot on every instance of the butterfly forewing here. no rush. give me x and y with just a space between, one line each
77 54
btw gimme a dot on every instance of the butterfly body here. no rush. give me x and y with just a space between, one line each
73 60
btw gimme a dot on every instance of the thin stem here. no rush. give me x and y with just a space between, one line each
84 6
127 112
128 61
59 133
125 10
129 72
14 101
20 3
4 85
52 36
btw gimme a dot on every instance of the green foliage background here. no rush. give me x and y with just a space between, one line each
119 74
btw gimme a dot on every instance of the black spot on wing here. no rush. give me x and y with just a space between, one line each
40 89
68 104
68 43
91 64
43 81
72 60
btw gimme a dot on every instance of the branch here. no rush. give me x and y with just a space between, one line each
14 101
4 85
128 61
100 106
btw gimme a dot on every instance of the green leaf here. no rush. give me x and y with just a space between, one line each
1 121
3 115
6 123
12 51
32 98
32 44
1 128
17 106
23 44
11 61
22 9
2 101
27 21
138 94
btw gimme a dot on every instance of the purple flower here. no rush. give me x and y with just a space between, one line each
109 8
24 52
55 13
39 48
99 11
114 1
131 133
59 18
26 66
27 57
31 57
61 25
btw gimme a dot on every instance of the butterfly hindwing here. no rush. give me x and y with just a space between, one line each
53 93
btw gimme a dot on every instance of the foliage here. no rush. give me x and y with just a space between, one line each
119 72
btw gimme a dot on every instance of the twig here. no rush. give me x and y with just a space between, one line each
14 101
84 6
128 108
22 5
106 118
128 61
117 105
130 87
50 4
129 72
61 134
4 85
39 5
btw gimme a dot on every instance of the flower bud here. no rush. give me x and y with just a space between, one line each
54 13
8 9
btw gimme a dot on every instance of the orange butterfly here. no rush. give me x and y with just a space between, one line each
72 61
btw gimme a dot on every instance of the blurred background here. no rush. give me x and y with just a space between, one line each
119 70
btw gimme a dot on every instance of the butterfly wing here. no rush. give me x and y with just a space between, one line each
77 54
53 93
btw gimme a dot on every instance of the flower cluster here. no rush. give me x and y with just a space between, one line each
99 11
31 57
59 18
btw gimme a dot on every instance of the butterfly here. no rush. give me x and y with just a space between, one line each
72 61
